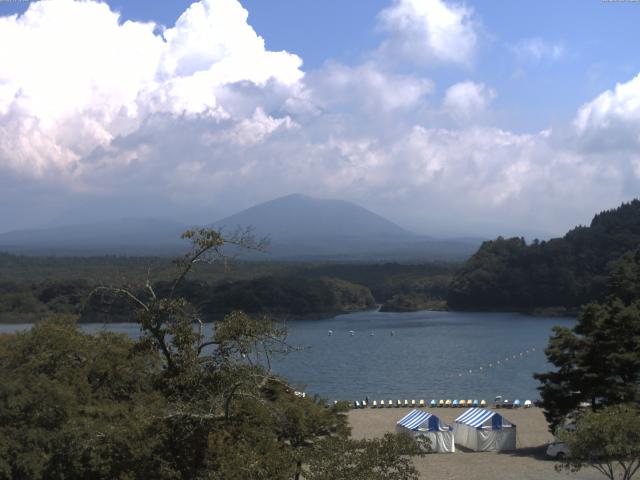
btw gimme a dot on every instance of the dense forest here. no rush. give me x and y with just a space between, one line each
562 273
175 403
33 288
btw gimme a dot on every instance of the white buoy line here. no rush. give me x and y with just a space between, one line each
506 360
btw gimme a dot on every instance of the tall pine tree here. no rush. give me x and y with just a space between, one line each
598 361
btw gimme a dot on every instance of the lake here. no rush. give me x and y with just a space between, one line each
428 355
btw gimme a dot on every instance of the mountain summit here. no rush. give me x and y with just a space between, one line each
297 217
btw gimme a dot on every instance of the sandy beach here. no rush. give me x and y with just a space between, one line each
527 462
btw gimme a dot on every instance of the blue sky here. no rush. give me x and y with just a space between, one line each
364 102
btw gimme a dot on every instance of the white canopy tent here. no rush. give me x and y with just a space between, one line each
484 430
420 424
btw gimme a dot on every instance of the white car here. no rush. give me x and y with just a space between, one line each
557 450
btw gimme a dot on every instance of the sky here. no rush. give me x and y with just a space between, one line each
476 118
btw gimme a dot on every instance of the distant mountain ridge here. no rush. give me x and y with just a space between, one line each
299 227
134 236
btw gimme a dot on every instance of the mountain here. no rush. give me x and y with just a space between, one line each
305 228
295 217
299 228
509 274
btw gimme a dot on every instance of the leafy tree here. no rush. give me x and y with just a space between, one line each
378 459
598 361
74 405
175 404
607 440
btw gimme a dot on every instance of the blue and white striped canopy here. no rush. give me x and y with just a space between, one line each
414 419
477 417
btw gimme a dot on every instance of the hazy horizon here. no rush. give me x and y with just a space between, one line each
449 118
194 218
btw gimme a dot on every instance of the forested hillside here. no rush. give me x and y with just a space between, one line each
32 288
278 296
509 274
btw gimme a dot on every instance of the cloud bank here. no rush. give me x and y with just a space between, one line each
202 114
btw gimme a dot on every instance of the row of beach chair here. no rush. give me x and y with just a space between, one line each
431 404
439 404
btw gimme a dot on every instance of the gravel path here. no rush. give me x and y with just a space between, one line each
528 462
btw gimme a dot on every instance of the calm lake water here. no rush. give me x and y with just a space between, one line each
429 355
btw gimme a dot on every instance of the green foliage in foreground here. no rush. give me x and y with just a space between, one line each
597 361
174 404
379 459
607 440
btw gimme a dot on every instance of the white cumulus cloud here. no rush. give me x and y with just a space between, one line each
464 100
612 120
76 77
429 31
